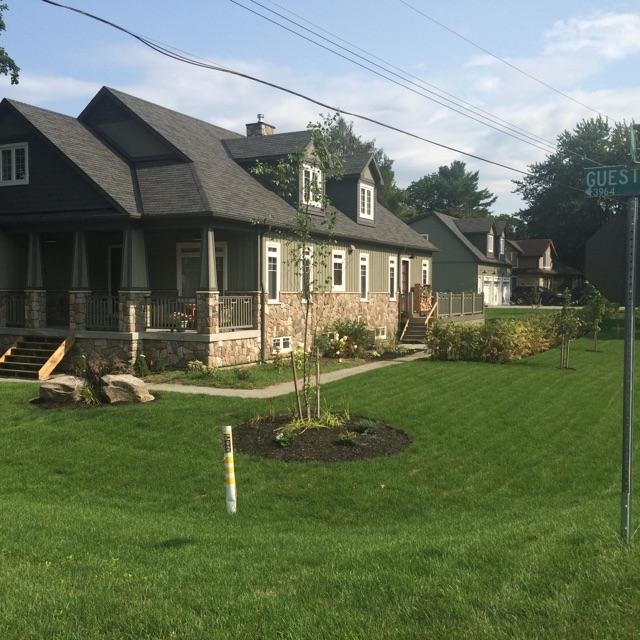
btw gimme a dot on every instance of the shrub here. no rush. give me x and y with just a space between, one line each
345 339
283 360
494 341
198 368
140 366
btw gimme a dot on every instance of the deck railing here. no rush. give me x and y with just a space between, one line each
235 312
177 314
462 305
15 309
102 313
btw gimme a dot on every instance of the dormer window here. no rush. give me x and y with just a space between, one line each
501 246
14 164
311 186
365 205
490 243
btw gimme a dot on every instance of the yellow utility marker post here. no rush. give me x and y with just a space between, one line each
229 472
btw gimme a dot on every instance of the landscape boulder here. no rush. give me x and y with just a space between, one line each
125 388
61 389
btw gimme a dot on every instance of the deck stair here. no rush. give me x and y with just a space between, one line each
415 331
34 357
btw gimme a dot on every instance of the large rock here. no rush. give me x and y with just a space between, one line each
125 388
61 389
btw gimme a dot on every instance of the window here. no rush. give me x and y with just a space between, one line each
14 164
281 344
311 186
393 286
337 262
188 268
364 276
501 246
273 272
424 280
306 272
380 333
490 243
366 202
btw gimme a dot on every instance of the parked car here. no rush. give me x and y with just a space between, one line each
536 295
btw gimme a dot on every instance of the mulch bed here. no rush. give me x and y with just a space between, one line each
372 439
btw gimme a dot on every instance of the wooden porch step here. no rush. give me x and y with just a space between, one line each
6 372
34 357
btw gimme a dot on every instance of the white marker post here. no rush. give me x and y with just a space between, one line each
229 472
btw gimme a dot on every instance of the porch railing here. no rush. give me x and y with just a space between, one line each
102 313
177 314
460 304
15 309
235 312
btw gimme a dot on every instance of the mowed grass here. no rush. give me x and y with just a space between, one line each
499 522
495 313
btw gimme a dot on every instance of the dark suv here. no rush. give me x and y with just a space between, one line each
535 295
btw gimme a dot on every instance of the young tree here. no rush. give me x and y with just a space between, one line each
452 190
554 192
308 240
7 66
567 327
597 309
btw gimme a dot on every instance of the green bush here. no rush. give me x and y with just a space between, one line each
494 341
345 339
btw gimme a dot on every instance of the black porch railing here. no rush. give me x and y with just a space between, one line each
15 309
177 314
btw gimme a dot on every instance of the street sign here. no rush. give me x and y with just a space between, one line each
614 181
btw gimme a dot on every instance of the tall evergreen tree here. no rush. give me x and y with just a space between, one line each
452 190
554 192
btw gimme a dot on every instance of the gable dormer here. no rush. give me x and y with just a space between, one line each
355 192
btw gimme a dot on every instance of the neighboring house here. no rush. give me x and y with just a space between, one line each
535 264
472 255
139 230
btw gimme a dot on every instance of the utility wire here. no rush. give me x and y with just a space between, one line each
404 74
215 67
383 75
500 59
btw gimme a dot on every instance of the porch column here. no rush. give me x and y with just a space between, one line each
5 279
134 284
79 293
208 296
35 305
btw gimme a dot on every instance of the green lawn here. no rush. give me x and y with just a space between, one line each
492 313
499 522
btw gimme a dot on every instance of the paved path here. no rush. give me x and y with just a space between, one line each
284 387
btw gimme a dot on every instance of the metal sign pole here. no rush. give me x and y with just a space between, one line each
629 343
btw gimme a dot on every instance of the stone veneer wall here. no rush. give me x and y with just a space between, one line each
286 318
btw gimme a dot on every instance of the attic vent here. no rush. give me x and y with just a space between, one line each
425 236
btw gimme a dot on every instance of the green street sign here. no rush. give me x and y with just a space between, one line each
607 182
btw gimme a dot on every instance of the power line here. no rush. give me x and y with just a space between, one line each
500 59
382 75
168 52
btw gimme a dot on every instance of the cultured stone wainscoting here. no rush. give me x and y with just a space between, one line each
36 308
287 317
78 309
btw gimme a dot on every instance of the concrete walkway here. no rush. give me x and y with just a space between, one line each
284 387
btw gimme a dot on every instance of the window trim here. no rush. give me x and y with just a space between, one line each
308 250
364 260
363 201
12 147
279 340
341 254
393 264
424 270
490 243
307 198
276 246
220 250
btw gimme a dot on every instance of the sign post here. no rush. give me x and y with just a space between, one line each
607 182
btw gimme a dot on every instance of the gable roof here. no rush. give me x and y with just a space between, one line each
356 163
104 168
273 146
532 247
474 225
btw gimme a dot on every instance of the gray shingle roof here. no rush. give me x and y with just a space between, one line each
102 166
474 225
273 146
533 246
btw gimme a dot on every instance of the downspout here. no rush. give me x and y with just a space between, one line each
398 291
263 315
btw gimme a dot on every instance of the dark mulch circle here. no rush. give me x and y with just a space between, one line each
367 439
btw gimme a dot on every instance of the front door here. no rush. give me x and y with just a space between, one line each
404 287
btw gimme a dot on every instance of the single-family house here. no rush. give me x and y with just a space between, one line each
472 255
134 229
535 263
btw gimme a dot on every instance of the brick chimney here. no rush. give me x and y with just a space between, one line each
260 128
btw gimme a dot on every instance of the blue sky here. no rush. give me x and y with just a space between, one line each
585 48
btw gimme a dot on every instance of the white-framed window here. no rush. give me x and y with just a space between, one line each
312 187
393 278
365 204
14 164
364 276
501 246
338 273
188 267
381 333
490 243
306 272
273 271
424 278
281 344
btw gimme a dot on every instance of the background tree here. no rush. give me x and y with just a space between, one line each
554 192
7 66
452 190
344 142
